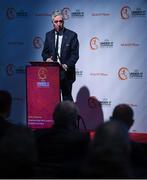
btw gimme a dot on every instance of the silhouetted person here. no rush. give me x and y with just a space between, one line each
108 155
62 147
124 114
18 153
5 110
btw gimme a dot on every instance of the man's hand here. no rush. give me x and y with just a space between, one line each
64 66
49 59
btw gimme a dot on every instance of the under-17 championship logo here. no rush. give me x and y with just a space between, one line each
42 73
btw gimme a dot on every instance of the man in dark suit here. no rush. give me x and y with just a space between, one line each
62 46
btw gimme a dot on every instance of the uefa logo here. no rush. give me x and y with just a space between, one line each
11 13
123 73
37 42
66 13
10 69
94 43
42 73
126 12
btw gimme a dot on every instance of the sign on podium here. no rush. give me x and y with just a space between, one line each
43 93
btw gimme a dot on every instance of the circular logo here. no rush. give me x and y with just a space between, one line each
37 42
125 12
66 13
93 102
11 13
94 43
123 73
42 73
10 69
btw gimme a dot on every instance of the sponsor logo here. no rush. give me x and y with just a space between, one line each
77 13
136 74
129 44
100 14
95 43
126 12
67 13
11 69
93 102
105 102
98 74
12 13
125 74
106 44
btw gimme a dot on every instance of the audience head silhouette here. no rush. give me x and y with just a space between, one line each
123 113
109 151
65 115
5 103
114 135
18 153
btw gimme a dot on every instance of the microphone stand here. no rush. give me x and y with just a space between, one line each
83 122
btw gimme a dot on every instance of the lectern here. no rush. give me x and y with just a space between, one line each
42 92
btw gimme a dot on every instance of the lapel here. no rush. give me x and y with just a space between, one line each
64 40
52 39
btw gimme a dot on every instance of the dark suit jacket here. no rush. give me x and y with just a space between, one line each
69 50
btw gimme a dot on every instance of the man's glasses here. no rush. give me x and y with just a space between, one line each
60 21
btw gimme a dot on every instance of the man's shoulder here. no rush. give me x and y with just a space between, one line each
69 31
50 32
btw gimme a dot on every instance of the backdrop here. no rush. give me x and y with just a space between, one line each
112 64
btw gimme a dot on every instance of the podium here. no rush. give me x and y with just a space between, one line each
42 92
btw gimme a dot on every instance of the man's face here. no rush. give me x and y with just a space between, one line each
58 23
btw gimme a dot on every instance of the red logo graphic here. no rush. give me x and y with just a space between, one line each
123 73
42 73
66 13
125 12
94 43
